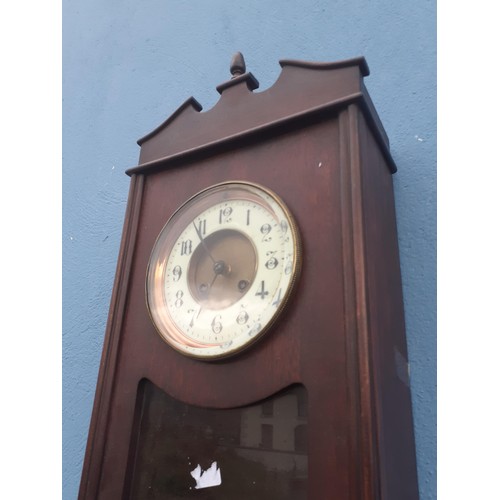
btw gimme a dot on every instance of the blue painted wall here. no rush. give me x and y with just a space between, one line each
127 65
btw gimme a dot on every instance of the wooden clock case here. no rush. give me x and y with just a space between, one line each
315 139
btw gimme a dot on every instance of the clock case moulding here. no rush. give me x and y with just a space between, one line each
315 139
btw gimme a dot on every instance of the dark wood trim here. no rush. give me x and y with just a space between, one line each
350 327
247 78
191 102
132 454
368 425
292 121
355 61
376 124
94 455
358 357
234 140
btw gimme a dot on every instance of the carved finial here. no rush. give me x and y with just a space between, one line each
238 66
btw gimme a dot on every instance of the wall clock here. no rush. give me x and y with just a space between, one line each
255 346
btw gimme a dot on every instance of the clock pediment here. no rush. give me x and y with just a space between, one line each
302 88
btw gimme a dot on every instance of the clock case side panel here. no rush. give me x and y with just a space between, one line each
96 442
385 347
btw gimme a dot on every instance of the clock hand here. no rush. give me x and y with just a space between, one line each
195 317
200 236
220 267
213 281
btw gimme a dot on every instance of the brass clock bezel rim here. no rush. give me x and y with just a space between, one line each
295 274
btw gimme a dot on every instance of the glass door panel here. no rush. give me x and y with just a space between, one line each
257 452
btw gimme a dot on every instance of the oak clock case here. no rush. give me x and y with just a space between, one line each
257 318
222 270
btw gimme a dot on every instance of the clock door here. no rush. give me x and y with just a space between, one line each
184 451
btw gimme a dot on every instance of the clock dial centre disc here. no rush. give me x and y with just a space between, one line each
221 269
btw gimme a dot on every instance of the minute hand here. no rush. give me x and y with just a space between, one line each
198 232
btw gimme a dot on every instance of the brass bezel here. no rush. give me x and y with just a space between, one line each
295 273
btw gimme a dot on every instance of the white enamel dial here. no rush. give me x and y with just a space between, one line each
222 269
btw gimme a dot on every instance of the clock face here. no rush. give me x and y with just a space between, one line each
222 269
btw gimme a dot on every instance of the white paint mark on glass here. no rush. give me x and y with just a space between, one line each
207 478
